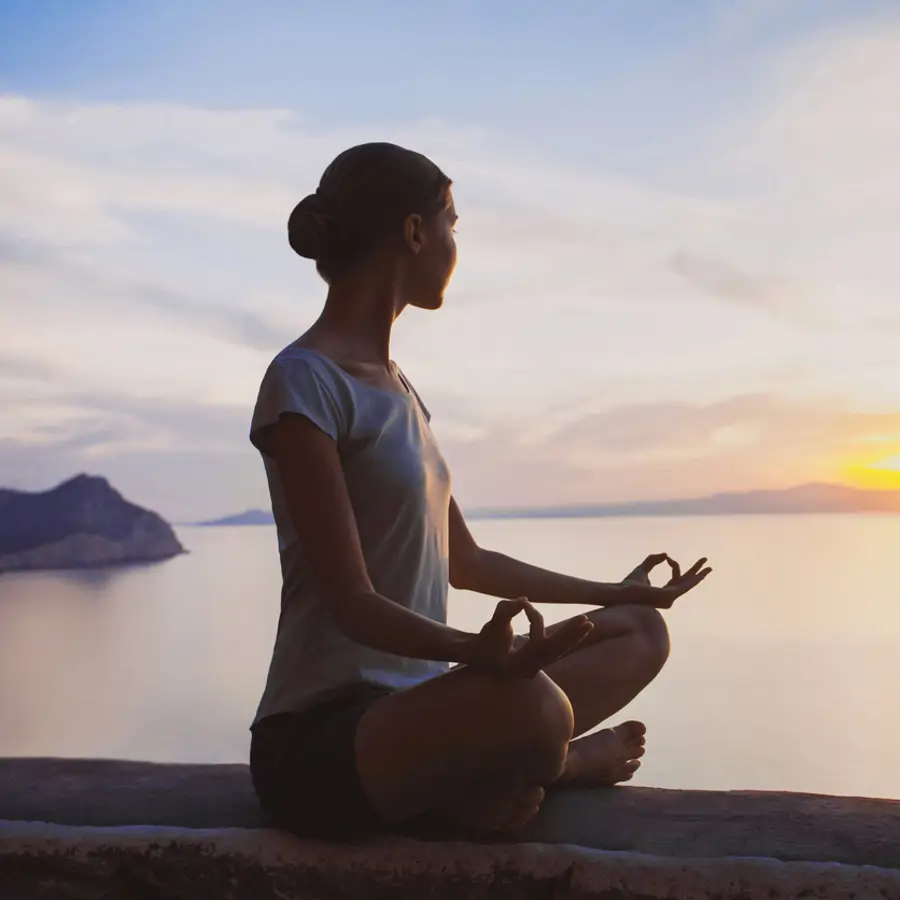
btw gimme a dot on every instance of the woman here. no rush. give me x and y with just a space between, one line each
363 726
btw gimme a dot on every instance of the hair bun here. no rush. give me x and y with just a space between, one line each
310 228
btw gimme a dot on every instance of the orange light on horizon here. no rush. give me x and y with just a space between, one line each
882 474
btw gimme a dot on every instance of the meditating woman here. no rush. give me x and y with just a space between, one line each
366 725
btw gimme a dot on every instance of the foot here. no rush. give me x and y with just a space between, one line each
606 757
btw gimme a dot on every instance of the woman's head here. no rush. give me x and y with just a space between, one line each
380 198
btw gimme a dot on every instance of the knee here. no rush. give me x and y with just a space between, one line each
651 635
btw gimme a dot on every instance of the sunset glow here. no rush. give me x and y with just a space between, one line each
882 474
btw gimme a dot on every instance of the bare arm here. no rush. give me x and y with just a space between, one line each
489 572
322 515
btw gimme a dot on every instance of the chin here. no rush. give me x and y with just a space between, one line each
429 302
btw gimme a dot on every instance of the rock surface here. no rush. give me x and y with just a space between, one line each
133 829
80 523
682 824
40 862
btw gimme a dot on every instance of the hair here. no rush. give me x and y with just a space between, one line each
363 198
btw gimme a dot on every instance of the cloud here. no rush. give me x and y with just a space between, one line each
818 164
670 450
723 280
186 459
606 334
108 290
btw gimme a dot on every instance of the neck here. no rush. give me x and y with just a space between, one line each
359 313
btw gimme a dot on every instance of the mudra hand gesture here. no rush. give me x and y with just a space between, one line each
497 650
638 588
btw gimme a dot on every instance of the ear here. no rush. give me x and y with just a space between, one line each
413 232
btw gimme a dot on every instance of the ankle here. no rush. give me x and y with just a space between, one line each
572 768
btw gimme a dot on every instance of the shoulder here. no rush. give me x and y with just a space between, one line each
300 381
297 359
300 366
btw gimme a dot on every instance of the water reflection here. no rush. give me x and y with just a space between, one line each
783 673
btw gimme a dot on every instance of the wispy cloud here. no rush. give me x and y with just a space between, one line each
664 450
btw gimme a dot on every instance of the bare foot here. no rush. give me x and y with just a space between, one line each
605 757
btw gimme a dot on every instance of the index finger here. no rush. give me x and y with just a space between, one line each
507 610
652 561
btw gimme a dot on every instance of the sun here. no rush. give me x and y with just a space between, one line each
879 475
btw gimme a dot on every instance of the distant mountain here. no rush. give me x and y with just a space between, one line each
250 517
81 523
807 498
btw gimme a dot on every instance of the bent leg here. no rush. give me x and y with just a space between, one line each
479 750
600 678
471 748
605 674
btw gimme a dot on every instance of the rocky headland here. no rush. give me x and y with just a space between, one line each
82 523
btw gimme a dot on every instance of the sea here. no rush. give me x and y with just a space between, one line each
784 672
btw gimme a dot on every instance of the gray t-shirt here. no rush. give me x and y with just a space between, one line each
399 487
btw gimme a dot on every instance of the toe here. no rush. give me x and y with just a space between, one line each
632 730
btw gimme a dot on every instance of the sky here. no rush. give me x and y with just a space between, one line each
678 237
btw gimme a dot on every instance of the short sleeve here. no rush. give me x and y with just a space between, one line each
293 385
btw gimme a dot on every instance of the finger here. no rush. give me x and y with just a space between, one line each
698 576
507 610
687 583
652 561
676 569
535 655
564 640
696 567
535 622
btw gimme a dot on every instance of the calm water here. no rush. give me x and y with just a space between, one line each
784 671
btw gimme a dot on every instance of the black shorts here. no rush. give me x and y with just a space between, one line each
304 768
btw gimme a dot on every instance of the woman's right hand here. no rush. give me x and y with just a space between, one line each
494 648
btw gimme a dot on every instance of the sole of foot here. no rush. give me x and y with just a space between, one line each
606 757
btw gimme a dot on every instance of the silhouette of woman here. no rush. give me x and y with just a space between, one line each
364 725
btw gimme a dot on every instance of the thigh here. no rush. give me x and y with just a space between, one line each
421 750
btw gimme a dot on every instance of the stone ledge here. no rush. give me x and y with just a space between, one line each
790 827
39 861
108 829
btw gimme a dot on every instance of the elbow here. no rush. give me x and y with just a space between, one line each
464 569
345 622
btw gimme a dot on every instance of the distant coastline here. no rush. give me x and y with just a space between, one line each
249 517
800 500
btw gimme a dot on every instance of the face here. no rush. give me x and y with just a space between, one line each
434 256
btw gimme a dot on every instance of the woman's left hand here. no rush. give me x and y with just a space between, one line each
639 589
